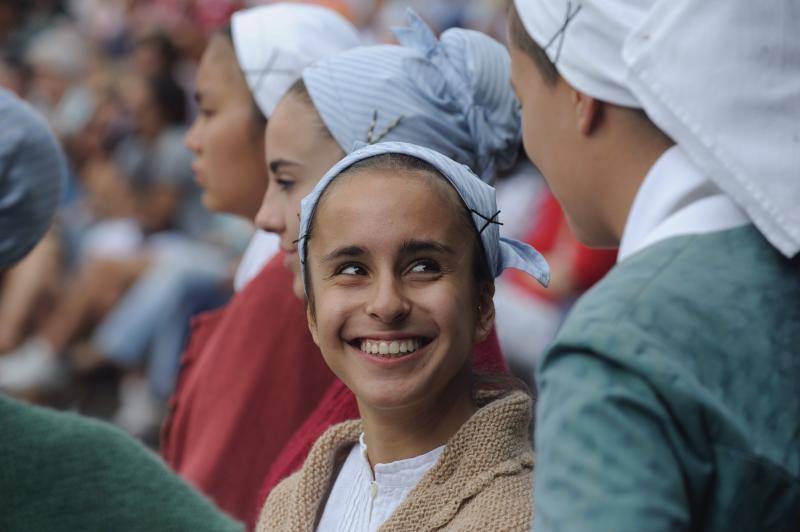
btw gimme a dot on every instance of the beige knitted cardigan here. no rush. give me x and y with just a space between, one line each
482 481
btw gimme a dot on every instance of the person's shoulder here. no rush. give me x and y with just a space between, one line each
275 514
292 504
506 503
669 284
44 429
79 472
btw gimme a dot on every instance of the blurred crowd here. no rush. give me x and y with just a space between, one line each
96 318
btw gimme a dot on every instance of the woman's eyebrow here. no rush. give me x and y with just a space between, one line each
277 164
344 251
418 246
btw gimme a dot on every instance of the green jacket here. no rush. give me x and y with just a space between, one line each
64 472
670 399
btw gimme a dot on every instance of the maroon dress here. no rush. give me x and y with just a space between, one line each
250 376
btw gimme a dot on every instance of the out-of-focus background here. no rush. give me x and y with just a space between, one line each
95 319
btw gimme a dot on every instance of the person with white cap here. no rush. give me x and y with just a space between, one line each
238 398
399 250
669 400
62 471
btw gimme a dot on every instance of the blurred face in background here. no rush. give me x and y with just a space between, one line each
138 100
226 138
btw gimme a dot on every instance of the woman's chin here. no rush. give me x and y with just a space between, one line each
389 395
297 288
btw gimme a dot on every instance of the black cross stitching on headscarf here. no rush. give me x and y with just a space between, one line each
570 14
371 130
267 69
489 221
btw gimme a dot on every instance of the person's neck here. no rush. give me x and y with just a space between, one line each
401 433
625 170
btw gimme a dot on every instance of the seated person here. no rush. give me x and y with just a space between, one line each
400 247
669 399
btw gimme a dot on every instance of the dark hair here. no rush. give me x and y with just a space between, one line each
518 35
165 48
169 98
394 162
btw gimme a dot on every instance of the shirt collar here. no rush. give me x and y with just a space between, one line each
401 473
676 199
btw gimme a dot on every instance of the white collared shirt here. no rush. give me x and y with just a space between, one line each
676 199
360 502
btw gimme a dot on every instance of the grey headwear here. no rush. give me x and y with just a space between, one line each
479 198
32 170
452 95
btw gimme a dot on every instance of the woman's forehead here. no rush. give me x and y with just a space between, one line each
376 205
218 67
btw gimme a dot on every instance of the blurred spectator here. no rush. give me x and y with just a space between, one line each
149 227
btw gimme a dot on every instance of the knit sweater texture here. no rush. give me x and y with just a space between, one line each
339 405
482 481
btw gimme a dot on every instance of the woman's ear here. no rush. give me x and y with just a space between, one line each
588 112
485 321
312 323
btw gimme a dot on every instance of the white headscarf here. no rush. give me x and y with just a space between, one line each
275 43
722 79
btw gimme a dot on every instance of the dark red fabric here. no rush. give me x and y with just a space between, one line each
250 376
339 404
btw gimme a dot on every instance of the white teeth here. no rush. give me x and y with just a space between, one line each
391 348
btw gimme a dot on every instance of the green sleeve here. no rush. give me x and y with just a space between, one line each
64 472
606 457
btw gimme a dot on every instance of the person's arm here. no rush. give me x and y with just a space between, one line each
606 456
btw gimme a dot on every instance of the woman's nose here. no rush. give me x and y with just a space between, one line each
387 302
269 216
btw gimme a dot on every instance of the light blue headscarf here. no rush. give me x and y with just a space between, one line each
32 170
451 94
479 198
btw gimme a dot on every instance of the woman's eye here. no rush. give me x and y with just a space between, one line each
425 266
351 269
284 184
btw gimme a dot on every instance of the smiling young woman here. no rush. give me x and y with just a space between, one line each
400 248
388 274
449 93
